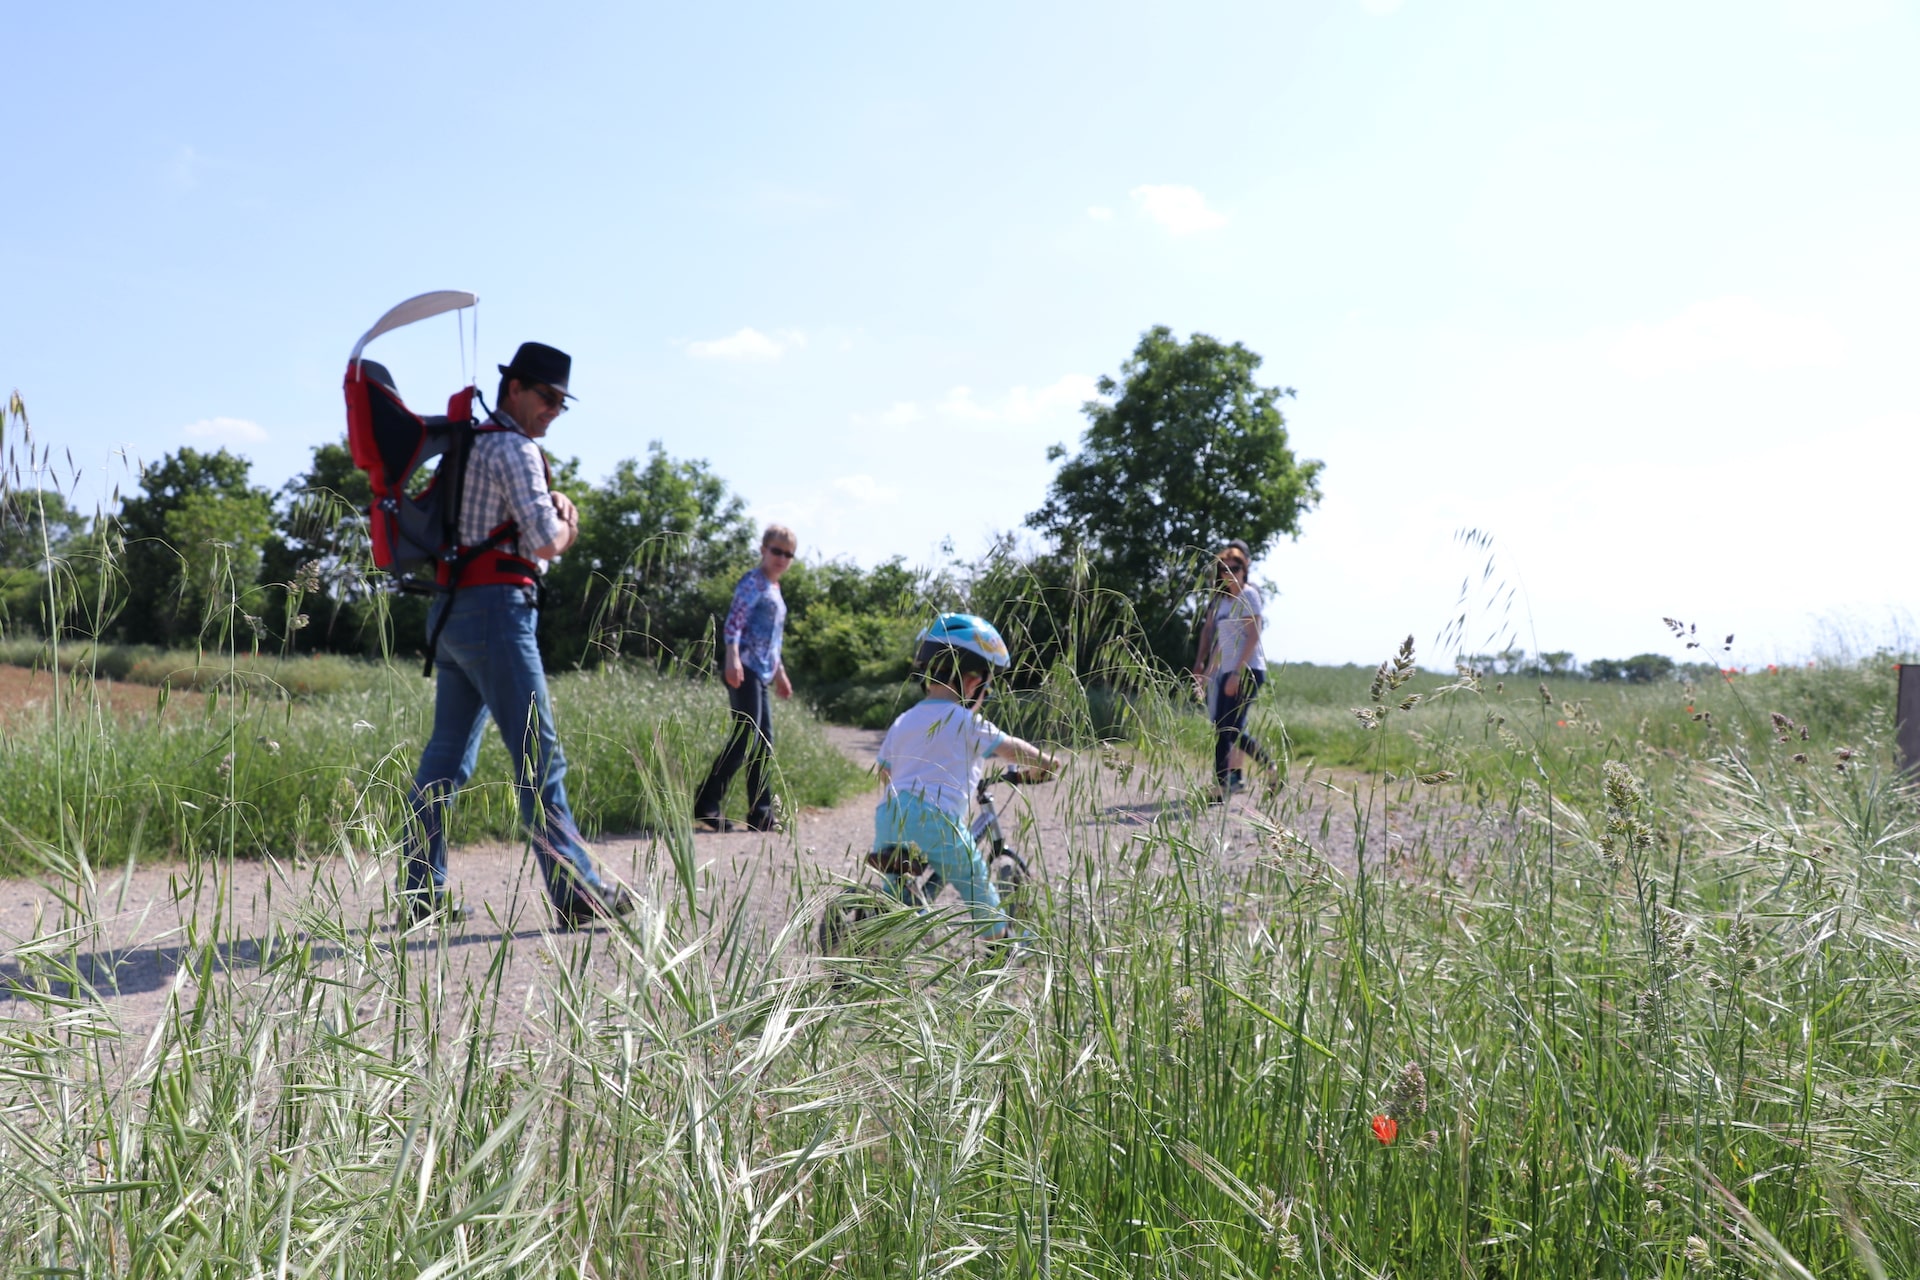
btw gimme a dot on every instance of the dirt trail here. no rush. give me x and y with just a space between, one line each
140 937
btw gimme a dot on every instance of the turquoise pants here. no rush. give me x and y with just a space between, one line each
946 844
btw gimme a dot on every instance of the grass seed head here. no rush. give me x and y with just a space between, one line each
1408 1097
1699 1256
1623 789
1187 1018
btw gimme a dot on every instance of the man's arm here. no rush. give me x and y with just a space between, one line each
547 520
569 528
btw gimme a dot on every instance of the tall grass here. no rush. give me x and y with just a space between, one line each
259 774
267 674
1653 1014
1664 1033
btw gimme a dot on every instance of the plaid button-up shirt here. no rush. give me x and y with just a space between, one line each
507 480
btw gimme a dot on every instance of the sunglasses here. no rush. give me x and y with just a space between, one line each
554 400
1235 568
782 552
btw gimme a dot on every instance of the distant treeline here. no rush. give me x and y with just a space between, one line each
1182 452
1642 668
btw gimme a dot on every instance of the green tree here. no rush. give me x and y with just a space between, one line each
660 545
195 534
317 564
36 523
52 562
1187 452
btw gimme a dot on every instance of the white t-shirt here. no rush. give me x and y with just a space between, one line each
1236 641
937 750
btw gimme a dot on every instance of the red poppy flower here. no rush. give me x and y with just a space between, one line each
1386 1128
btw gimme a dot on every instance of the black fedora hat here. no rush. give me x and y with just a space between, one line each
538 362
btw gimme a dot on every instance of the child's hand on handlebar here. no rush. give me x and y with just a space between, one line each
1026 762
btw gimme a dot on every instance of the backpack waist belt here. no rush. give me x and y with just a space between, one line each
484 565
492 569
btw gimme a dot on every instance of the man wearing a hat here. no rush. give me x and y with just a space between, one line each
511 524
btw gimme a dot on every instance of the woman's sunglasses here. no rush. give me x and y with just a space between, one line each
781 552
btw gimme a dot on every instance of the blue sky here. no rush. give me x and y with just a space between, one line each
1631 286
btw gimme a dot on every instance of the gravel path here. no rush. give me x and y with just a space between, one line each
137 941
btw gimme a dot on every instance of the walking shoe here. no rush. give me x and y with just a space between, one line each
711 824
588 905
766 824
419 908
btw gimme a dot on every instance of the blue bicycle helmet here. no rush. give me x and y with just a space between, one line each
967 641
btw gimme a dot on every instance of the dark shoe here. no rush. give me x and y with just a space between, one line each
589 905
765 824
711 824
419 908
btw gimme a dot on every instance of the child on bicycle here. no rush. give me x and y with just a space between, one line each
935 754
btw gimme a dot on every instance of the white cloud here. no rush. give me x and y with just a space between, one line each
866 490
1020 406
904 413
226 431
1733 330
748 344
1828 16
1062 395
1181 210
960 406
1100 213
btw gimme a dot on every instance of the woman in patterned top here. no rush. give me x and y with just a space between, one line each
751 667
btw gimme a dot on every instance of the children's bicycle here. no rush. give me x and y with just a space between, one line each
919 884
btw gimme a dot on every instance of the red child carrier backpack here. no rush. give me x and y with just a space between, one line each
415 537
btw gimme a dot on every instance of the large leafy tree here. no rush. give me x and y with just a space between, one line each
1186 451
51 565
317 563
194 539
36 524
660 543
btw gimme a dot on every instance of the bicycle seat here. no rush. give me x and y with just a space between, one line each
898 860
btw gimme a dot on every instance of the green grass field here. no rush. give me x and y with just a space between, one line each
1663 1024
291 757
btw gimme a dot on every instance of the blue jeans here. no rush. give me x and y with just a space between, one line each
489 663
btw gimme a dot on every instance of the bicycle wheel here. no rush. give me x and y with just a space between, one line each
841 916
1009 874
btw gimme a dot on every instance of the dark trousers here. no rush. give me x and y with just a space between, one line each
1230 720
751 742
